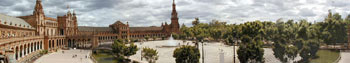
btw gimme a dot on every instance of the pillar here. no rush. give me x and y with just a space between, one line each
22 51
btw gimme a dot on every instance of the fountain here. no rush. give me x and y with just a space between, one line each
171 42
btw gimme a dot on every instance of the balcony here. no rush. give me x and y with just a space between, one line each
14 39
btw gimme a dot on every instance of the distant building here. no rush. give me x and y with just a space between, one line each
23 38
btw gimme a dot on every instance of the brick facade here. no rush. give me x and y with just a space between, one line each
22 38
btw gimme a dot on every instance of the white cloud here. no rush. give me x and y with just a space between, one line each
154 12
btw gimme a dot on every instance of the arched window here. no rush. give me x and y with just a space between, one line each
49 43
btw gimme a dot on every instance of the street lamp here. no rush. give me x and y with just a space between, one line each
141 50
202 51
234 48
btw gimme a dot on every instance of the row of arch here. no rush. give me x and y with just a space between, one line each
80 43
28 48
107 37
55 44
144 35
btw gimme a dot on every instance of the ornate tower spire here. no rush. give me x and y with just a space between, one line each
38 8
174 26
39 18
174 13
74 13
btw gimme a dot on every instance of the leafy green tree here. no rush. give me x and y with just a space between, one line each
188 32
120 49
233 33
216 33
200 31
229 41
187 54
184 32
292 38
334 29
269 29
309 51
195 22
251 51
175 35
253 29
283 40
151 55
217 29
130 50
154 38
147 37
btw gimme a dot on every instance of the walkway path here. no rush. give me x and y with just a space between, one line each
345 56
66 57
212 51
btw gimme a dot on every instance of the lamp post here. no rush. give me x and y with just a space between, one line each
234 53
141 49
202 51
234 48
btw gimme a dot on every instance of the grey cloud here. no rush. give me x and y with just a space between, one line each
154 12
307 12
7 2
99 4
339 3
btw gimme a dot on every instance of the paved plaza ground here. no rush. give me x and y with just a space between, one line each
66 57
345 57
211 51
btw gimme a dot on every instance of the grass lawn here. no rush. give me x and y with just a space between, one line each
104 57
326 56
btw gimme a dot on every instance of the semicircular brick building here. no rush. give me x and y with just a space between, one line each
22 38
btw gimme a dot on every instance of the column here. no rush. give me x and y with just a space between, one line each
36 46
26 48
22 51
18 52
29 48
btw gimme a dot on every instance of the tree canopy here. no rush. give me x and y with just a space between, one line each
187 54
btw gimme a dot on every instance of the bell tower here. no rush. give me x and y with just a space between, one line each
39 17
174 20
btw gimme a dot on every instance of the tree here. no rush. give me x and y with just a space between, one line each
217 29
309 51
229 41
154 38
176 36
200 31
251 52
187 54
292 38
184 32
151 55
283 39
130 50
147 37
216 33
120 49
334 29
187 32
195 22
253 29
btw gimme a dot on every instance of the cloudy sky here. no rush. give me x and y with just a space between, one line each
154 12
